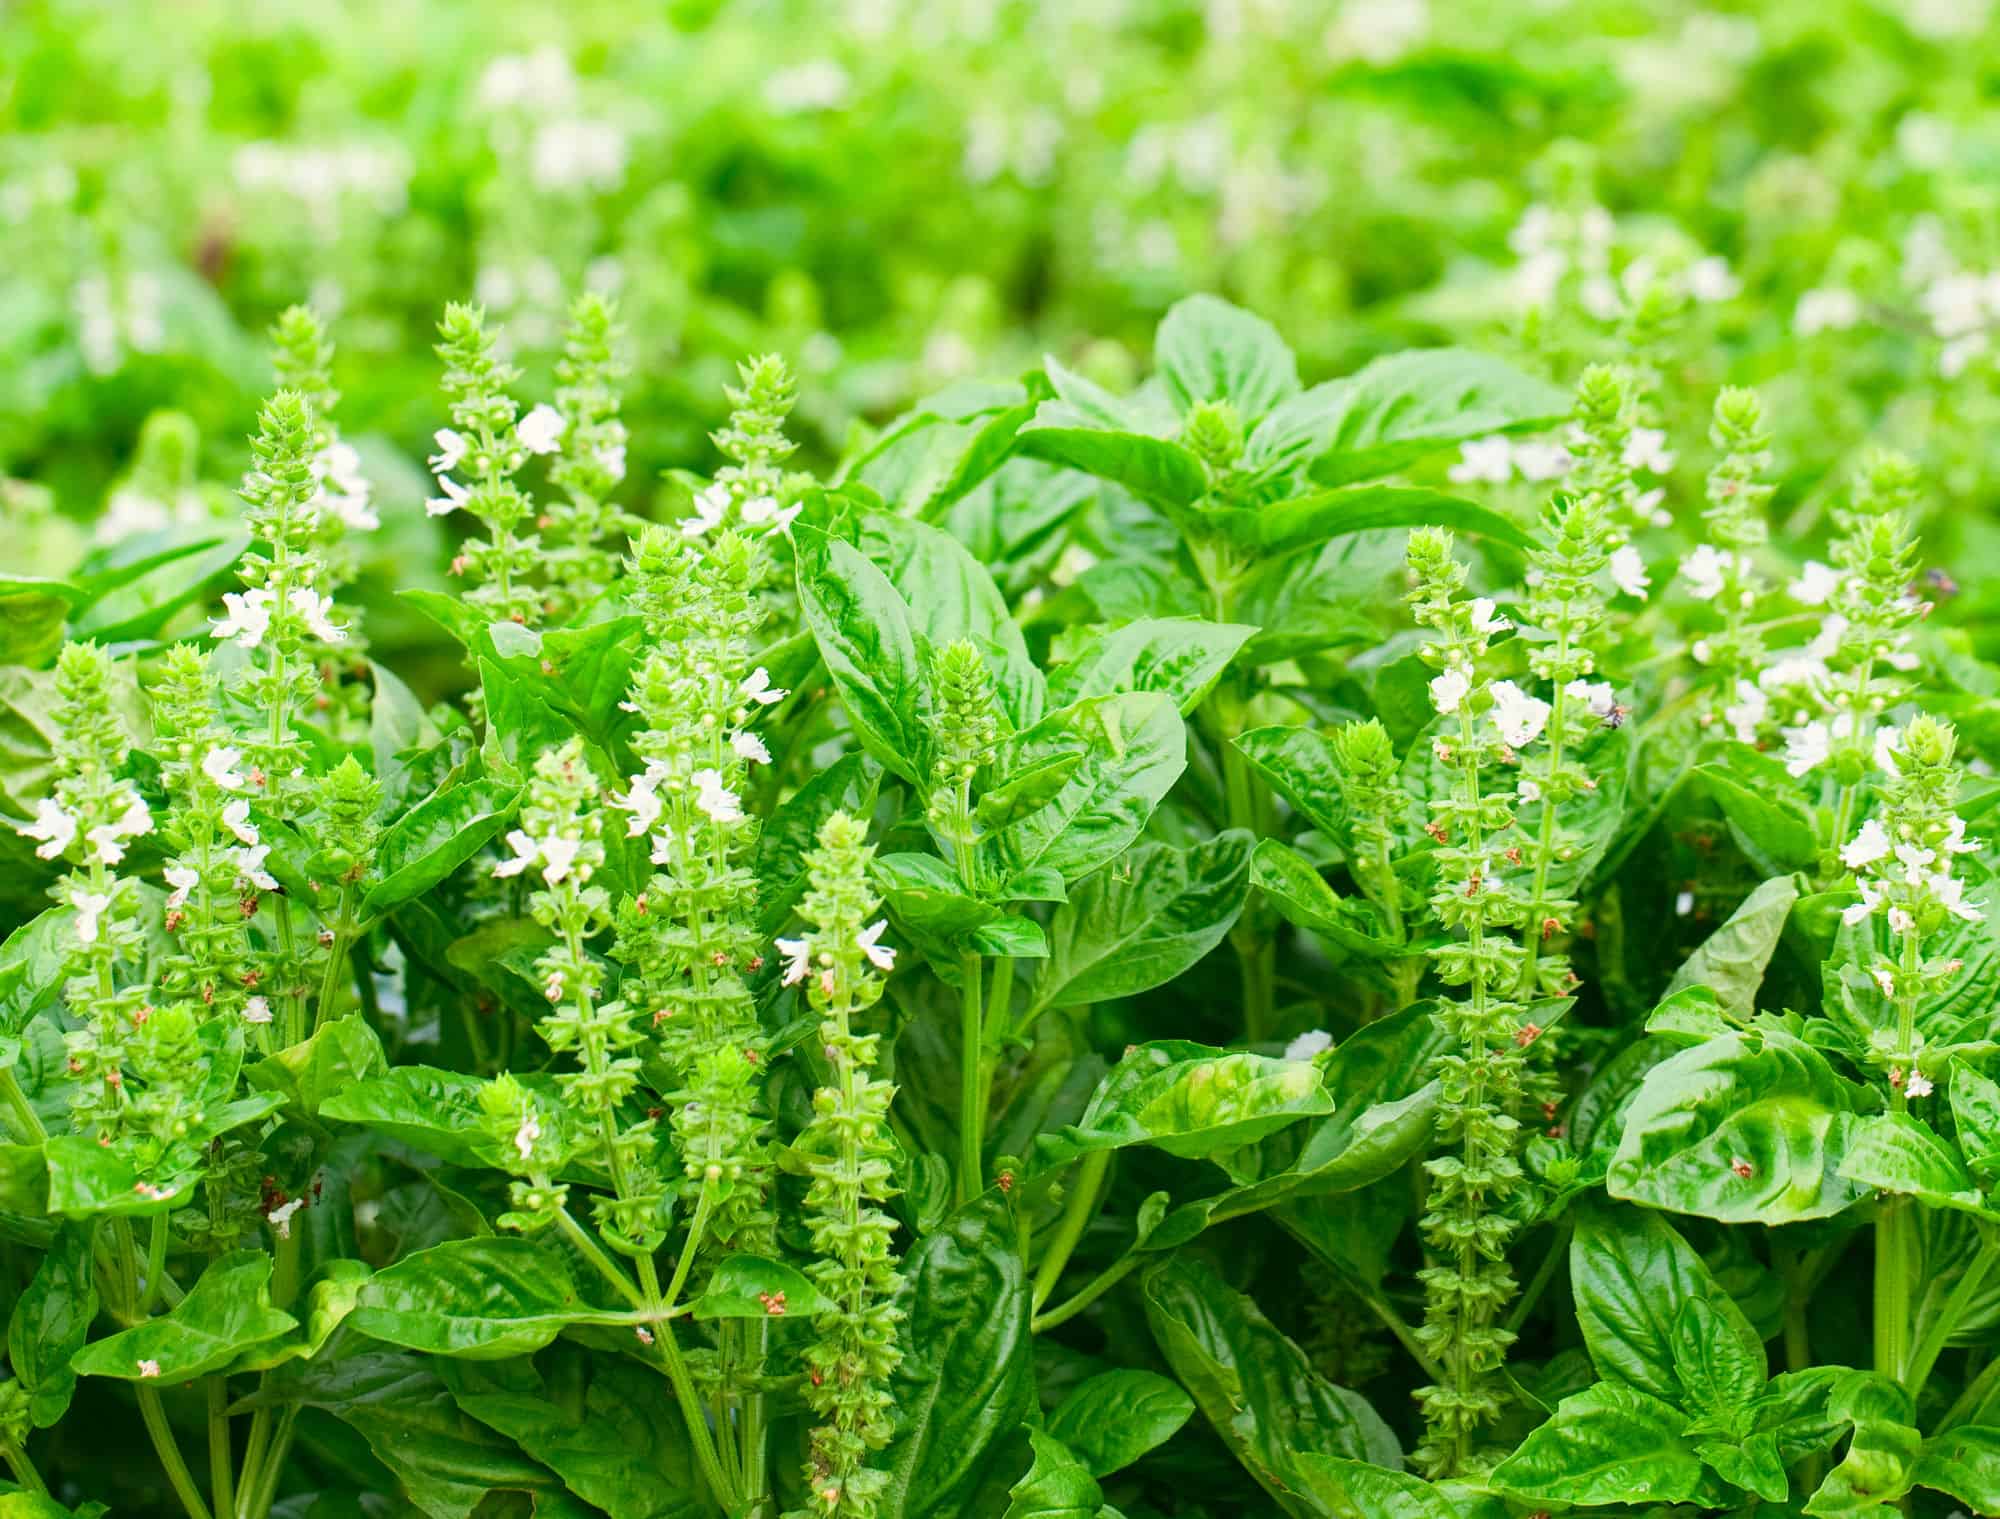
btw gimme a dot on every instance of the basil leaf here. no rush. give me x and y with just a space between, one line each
225 1313
1209 350
1607 1444
1192 1101
1963 1463
1143 920
1255 1386
1751 1128
865 635
1112 1419
1180 656
1731 961
484 1298
1896 1152
1347 1489
51 1320
1057 1485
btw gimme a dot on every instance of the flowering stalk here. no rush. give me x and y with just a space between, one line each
343 829
1724 571
591 461
491 445
87 822
214 877
848 1152
749 491
281 616
1903 864
1467 1226
1376 807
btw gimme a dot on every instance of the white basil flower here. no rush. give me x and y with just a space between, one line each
247 619
52 825
541 430
1519 716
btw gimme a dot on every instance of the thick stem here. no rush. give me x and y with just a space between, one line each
1078 1209
971 1089
23 1468
27 1123
344 929
221 1457
1097 1286
154 1413
1894 1237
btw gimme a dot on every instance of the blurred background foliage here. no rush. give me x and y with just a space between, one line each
898 194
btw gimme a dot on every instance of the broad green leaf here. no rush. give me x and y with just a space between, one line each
791 833
1718 1367
1975 1107
1134 747
1607 1444
33 963
432 1110
1963 1463
1753 1463
1763 810
1181 656
624 1450
1056 1486
1112 1419
1689 1016
32 615
1882 1454
1193 1101
748 1287
1348 1489
1731 961
1026 790
866 636
1633 1275
966 1379
1256 1387
1299 764
141 607
1143 920
334 1058
484 1298
1160 473
1403 406
51 1320
948 596
1307 521
434 838
1298 891
1896 1152
1209 350
331 1298
224 1314
1750 1128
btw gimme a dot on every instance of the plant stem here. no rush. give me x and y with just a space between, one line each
971 1091
155 1415
221 1458
156 1264
1893 1239
1544 1274
274 1467
26 1121
344 929
1935 1337
23 1468
1098 1285
1977 1391
1078 1210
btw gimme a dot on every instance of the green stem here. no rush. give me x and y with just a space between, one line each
589 1249
27 1122
266 1493
1894 1237
971 1092
155 1415
23 1468
1394 1322
1949 1317
344 931
1977 1391
156 1265
1098 1285
1544 1274
1078 1210
221 1457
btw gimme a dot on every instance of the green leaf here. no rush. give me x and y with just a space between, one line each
1299 764
223 1315
1634 1276
791 833
1963 1463
1180 656
1194 1101
482 1298
1882 1453
51 1320
1403 406
749 1287
865 635
32 615
330 1299
433 1110
1895 1152
336 1057
1308 521
1690 1016
624 1450
1753 1463
1209 350
949 595
1256 1387
1143 920
1299 892
1160 473
1134 747
1606 1444
1975 1108
1056 1486
966 1380
1731 961
1750 1128
1026 790
1760 802
429 842
141 607
1347 1489
1112 1419
1719 1367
